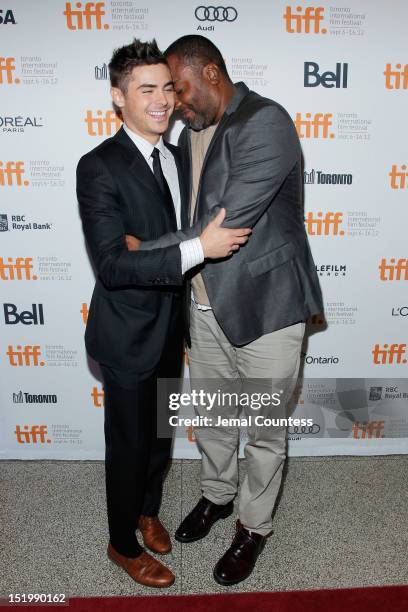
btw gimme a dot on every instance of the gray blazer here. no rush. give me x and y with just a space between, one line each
253 170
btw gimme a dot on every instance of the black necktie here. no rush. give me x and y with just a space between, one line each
163 185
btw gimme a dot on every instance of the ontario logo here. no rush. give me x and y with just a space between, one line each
12 173
304 20
85 16
102 123
324 223
314 125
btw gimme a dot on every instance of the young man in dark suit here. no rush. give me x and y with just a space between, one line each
133 183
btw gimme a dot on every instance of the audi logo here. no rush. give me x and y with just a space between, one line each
303 429
216 13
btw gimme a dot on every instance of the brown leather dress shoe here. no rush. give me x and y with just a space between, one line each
198 523
155 536
239 560
144 569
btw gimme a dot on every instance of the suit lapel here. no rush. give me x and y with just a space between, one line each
137 163
182 183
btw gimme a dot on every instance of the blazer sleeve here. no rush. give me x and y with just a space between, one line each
104 232
265 151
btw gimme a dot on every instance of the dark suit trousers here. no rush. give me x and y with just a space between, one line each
136 458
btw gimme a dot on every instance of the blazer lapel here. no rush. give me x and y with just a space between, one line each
137 163
184 200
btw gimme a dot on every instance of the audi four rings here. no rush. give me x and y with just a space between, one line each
304 429
216 13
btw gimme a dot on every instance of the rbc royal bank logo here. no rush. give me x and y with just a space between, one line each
102 123
397 77
314 126
304 20
7 68
85 16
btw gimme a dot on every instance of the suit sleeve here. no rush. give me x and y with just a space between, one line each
266 149
104 232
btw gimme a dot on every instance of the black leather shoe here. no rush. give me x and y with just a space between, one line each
239 560
198 523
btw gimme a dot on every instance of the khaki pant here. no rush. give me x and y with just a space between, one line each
269 364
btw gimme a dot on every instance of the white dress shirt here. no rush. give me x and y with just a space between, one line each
191 250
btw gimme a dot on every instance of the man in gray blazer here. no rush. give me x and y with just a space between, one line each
248 312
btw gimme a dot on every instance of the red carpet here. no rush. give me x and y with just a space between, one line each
372 599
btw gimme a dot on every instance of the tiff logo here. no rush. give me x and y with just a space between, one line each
7 68
312 78
368 429
34 435
328 224
12 174
318 127
27 355
306 20
101 74
98 397
104 124
85 18
18 269
397 78
84 312
389 354
393 271
399 178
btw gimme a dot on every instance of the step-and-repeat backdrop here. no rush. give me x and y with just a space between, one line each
341 70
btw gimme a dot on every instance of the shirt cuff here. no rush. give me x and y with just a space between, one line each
192 254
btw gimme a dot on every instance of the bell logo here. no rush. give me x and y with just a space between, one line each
312 78
84 312
18 269
324 224
27 355
306 20
12 174
98 398
393 271
369 429
396 78
316 127
106 123
27 317
389 354
7 68
36 434
87 18
399 178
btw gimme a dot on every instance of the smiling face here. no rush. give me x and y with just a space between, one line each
148 102
197 98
